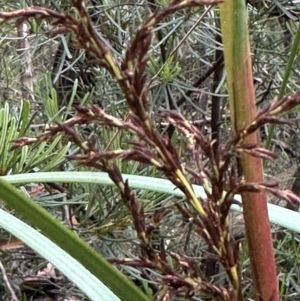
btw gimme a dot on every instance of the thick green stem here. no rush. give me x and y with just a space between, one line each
238 66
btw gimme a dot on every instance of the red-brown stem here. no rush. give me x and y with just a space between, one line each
243 109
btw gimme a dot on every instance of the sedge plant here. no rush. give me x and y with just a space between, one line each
234 168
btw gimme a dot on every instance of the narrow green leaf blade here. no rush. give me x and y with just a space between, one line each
70 267
278 215
70 242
